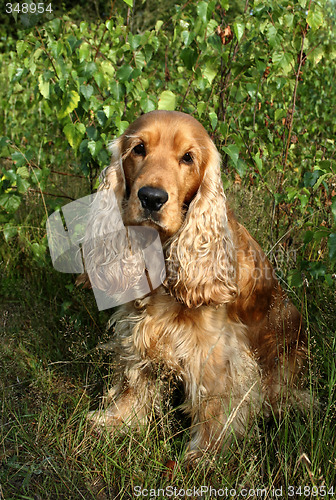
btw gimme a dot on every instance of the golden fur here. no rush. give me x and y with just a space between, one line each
220 323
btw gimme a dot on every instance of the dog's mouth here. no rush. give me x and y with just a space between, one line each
148 219
153 221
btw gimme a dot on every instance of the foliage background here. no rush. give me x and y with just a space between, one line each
260 76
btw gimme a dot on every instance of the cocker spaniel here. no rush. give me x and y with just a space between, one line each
220 322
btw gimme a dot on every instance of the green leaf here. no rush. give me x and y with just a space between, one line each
23 172
329 279
118 91
321 179
279 114
316 55
122 126
18 75
211 28
10 175
44 87
94 147
288 20
251 89
18 159
109 25
258 162
325 165
295 278
86 91
73 43
333 207
233 152
304 199
292 193
332 246
241 167
88 69
83 146
209 72
56 26
140 60
123 74
189 57
84 51
224 129
99 79
213 119
101 117
239 29
92 133
167 100
284 60
22 185
310 178
103 157
202 8
108 110
134 41
147 104
320 234
9 231
200 108
70 103
74 132
57 48
186 37
129 3
317 269
315 18
238 141
10 202
21 47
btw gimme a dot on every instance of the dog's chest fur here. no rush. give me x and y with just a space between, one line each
200 345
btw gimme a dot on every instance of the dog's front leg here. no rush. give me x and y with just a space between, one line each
223 401
130 403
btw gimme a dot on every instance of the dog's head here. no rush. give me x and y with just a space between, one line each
165 172
163 156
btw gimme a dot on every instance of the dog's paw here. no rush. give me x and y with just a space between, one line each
104 419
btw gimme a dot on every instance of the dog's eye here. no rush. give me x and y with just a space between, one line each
139 150
187 158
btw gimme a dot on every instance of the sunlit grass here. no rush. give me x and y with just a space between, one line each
51 375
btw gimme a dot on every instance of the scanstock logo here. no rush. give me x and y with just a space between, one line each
122 263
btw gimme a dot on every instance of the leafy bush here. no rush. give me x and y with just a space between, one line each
258 78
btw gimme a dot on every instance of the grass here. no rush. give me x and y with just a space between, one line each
51 375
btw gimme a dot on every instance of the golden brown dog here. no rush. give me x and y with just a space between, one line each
220 322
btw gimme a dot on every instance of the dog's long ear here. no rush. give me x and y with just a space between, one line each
201 266
113 177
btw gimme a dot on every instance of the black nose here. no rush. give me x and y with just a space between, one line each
152 198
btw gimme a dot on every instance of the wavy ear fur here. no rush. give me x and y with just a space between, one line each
113 177
201 265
